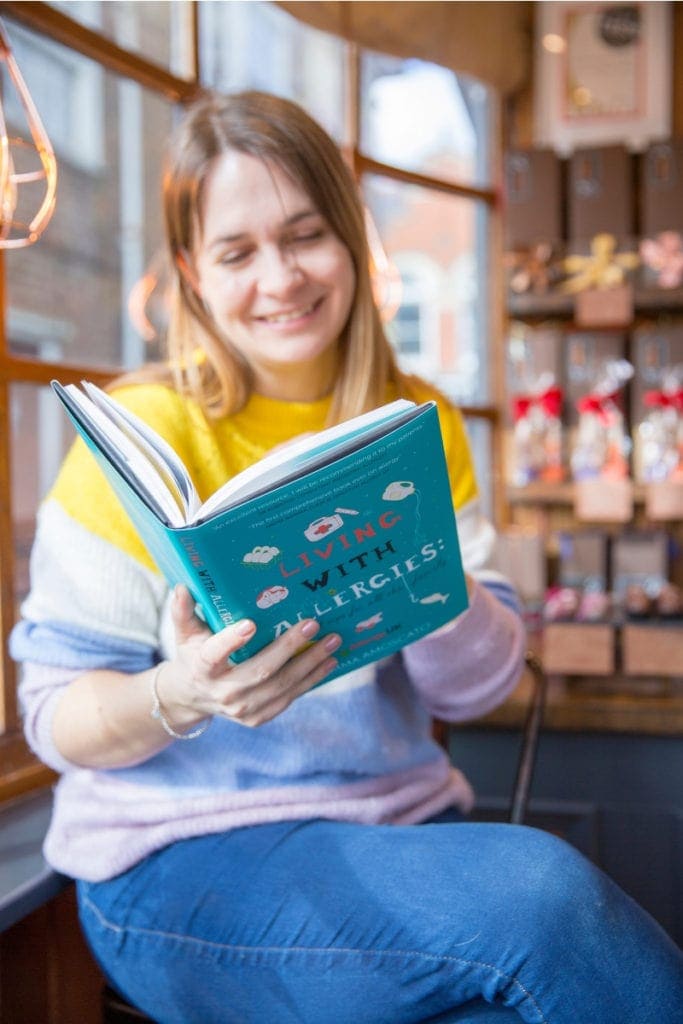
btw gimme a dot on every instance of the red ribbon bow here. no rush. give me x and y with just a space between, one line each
598 405
550 401
664 399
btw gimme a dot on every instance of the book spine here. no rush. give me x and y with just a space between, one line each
201 582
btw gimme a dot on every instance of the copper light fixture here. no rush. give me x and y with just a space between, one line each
15 234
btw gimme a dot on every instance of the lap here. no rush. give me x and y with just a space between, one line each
333 922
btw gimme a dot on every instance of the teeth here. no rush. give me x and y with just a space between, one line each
283 318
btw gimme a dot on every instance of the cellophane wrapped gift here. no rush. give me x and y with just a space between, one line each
660 432
537 433
602 444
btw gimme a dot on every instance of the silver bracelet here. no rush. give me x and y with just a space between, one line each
158 712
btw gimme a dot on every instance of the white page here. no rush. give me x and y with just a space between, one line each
299 456
159 452
151 482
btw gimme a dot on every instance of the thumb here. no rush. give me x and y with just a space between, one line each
186 623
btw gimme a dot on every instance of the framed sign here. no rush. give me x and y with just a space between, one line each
603 74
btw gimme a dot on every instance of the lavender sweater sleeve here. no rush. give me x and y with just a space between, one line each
470 666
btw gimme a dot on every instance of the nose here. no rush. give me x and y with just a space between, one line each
279 272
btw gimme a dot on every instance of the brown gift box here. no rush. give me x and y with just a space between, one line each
582 559
664 500
652 650
600 193
578 649
533 198
603 501
640 557
661 182
604 307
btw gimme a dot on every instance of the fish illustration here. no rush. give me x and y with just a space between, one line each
369 623
433 598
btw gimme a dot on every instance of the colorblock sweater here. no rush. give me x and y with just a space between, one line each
356 749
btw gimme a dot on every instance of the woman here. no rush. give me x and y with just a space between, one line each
249 852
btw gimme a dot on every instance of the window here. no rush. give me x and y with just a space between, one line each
106 78
68 93
434 239
65 298
424 118
248 44
160 32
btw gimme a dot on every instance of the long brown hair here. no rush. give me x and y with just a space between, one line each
202 362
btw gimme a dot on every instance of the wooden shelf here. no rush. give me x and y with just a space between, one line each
646 300
650 707
541 493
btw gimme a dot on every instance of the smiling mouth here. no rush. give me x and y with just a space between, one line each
295 314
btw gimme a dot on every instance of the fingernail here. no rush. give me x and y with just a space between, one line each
310 628
245 627
332 642
330 664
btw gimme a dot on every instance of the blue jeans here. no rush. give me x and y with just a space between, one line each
320 922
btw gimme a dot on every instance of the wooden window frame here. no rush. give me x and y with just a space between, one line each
20 771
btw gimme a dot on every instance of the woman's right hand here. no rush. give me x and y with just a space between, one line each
199 681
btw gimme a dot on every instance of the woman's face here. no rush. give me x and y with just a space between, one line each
277 281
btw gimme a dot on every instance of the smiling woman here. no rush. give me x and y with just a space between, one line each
276 280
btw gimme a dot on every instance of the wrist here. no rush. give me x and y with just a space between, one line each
179 723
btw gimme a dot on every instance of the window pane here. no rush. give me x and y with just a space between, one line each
159 32
258 46
41 435
67 295
438 243
425 118
479 433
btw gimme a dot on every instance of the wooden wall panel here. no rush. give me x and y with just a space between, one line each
47 974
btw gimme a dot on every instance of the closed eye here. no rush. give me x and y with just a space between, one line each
306 236
235 257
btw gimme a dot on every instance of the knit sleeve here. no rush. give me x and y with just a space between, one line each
96 598
471 665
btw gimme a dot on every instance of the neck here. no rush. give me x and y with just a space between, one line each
301 382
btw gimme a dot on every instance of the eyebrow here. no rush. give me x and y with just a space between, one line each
288 223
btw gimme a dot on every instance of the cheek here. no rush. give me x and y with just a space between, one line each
224 295
341 274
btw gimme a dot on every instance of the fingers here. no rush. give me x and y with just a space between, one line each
262 687
185 622
258 688
218 648
269 706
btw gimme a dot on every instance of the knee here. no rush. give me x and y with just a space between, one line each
557 889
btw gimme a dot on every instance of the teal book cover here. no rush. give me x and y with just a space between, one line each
366 544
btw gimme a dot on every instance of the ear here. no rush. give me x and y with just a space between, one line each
187 271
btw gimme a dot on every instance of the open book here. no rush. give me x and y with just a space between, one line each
353 526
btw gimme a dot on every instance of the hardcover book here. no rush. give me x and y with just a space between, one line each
353 526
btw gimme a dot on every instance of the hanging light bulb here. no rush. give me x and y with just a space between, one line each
15 234
387 286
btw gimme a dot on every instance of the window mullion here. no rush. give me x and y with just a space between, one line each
366 165
42 18
8 705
